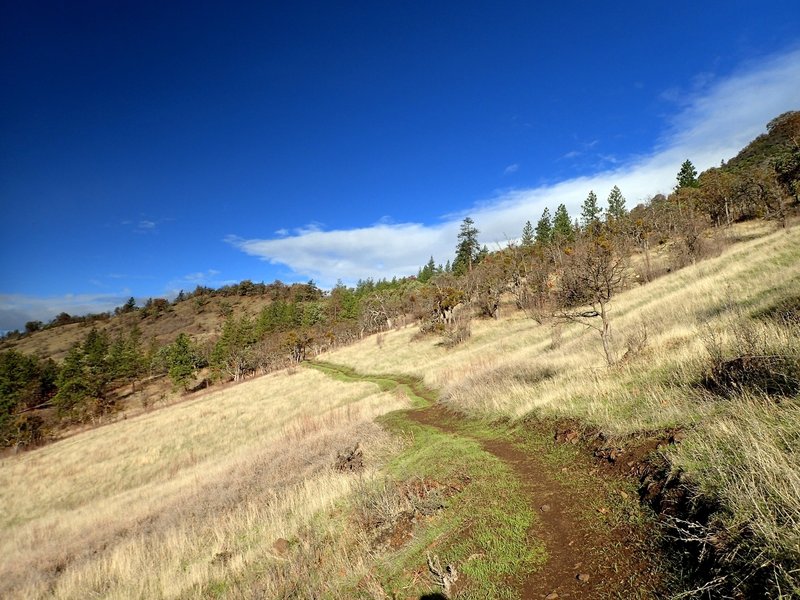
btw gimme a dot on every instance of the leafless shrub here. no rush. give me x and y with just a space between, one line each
457 331
377 507
350 460
594 273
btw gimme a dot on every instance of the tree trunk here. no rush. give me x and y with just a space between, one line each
605 334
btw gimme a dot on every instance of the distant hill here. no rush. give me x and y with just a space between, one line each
783 134
200 318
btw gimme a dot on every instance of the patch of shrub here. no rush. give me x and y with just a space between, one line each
774 375
785 312
457 331
752 356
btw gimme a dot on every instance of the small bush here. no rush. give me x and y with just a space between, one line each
785 312
29 429
747 355
772 375
457 331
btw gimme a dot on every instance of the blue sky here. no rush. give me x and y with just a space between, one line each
150 147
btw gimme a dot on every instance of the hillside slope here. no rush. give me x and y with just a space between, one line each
710 358
257 490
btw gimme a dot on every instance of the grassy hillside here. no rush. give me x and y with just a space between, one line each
713 351
173 502
233 492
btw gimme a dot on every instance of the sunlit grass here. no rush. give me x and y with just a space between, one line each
145 507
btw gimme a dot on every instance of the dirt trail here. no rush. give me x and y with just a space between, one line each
582 563
573 549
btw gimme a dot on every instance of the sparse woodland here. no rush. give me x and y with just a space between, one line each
612 288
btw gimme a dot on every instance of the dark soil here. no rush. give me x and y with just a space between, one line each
582 563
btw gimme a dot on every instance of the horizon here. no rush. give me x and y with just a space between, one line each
149 149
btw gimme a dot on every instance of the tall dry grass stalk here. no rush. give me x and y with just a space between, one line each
191 496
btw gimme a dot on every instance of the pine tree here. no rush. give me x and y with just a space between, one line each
527 235
687 176
72 384
467 249
95 360
616 205
544 228
428 271
590 211
562 225
182 361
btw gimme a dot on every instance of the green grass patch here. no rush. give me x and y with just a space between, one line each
484 531
419 395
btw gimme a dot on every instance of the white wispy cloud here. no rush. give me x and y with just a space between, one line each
713 123
511 169
17 309
376 251
209 278
144 225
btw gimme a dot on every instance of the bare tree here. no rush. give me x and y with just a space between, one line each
488 281
593 273
529 273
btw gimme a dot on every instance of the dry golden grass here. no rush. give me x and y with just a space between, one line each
190 496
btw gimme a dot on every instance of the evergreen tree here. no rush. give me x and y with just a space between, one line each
590 211
616 204
687 176
544 228
95 360
428 271
482 254
130 305
233 350
527 235
431 266
71 382
467 249
182 361
343 304
562 225
133 361
447 267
